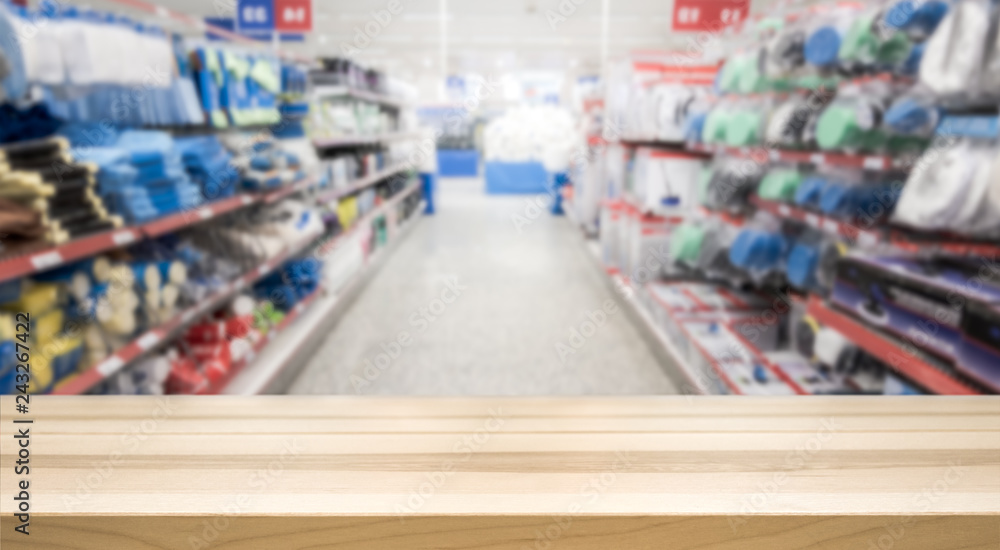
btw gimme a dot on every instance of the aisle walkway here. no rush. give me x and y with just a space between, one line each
514 296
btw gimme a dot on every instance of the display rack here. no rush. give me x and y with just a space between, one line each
150 339
879 163
36 260
931 374
283 347
354 141
361 183
364 95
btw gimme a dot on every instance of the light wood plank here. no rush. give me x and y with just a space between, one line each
414 473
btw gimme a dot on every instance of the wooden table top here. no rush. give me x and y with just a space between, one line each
403 472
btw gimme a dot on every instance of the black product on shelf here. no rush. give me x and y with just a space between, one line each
979 353
921 301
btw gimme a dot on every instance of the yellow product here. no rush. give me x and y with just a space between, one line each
35 300
7 331
41 374
46 328
347 212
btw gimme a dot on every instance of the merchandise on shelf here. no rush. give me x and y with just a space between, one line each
926 303
46 194
142 176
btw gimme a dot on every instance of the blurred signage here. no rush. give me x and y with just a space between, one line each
255 16
229 24
709 15
293 15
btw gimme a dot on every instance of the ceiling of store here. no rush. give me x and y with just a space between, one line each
482 34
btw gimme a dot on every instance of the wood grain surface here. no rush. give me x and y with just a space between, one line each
491 473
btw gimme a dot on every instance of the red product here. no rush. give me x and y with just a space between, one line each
206 333
239 327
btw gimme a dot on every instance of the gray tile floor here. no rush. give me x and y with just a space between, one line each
524 293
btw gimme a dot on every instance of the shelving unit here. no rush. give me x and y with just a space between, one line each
361 183
915 365
352 141
268 370
149 340
364 95
879 163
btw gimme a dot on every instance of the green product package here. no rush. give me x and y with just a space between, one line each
860 43
780 185
744 128
838 127
685 244
715 126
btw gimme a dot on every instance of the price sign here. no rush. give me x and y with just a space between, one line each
709 15
255 15
293 15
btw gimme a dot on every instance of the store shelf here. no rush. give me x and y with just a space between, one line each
42 258
351 141
816 158
271 197
863 237
775 369
916 366
361 183
900 240
284 348
364 95
138 347
150 339
181 220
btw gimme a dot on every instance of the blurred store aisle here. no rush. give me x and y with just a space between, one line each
514 296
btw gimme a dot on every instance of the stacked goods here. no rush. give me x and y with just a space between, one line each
141 176
210 166
45 194
265 164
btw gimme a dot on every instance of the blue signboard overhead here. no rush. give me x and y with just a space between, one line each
254 16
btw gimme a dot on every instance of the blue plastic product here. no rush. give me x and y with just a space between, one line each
916 15
909 116
757 250
912 64
8 373
809 192
759 374
822 47
803 261
66 363
694 127
10 291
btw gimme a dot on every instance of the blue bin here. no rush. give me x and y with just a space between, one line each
458 163
528 178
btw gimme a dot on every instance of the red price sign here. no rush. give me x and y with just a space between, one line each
709 15
293 15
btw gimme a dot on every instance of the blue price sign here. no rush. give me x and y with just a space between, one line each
255 15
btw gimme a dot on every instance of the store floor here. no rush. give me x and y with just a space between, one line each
516 299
